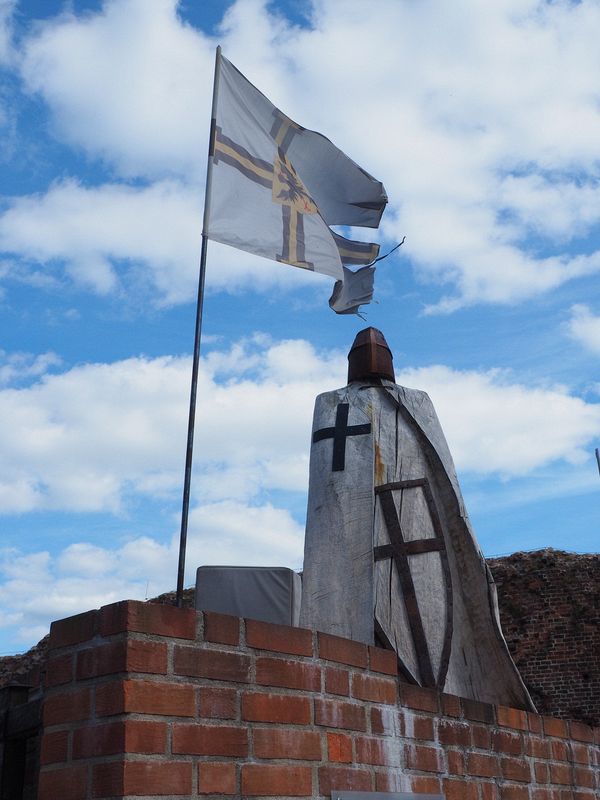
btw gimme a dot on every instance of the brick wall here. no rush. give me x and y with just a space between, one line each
550 611
151 701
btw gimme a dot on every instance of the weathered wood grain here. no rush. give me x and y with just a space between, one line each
433 599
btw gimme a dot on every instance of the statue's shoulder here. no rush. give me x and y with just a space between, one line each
412 398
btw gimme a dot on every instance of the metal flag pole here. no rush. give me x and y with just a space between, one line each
196 357
598 459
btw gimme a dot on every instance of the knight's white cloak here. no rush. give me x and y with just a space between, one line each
395 482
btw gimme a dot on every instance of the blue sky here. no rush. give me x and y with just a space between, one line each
483 122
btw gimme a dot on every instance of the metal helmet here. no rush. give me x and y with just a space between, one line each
370 357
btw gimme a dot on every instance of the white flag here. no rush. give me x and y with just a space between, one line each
275 187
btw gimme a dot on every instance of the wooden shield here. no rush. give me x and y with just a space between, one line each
414 617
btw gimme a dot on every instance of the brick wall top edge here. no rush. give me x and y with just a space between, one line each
180 623
151 618
73 630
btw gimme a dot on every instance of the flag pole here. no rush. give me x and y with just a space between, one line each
196 357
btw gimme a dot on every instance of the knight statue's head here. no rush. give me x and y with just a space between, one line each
370 357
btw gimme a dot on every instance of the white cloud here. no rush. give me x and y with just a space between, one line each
20 367
84 439
38 588
7 8
130 84
494 425
92 437
584 327
475 122
117 237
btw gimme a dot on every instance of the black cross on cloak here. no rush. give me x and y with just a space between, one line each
339 433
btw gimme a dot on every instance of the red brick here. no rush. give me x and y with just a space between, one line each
477 711
145 736
54 747
59 670
278 638
424 759
146 697
418 727
506 742
418 697
219 665
221 628
456 762
143 656
157 777
67 707
258 707
544 794
460 790
287 743
288 674
451 706
381 660
389 780
489 791
268 780
537 747
481 737
560 750
69 783
483 766
421 784
72 630
218 703
153 618
108 779
128 736
581 732
561 774
104 659
555 727
210 740
343 779
535 722
377 690
132 656
99 740
344 651
512 718
385 721
339 747
454 733
580 753
215 778
515 769
508 792
337 681
541 772
380 752
338 714
583 778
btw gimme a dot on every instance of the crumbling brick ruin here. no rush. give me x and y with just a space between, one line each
550 611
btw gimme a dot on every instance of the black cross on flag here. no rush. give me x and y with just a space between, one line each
276 187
